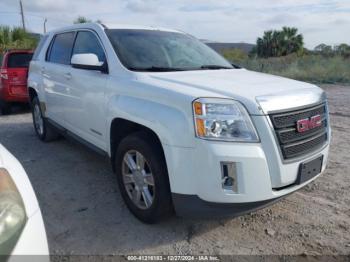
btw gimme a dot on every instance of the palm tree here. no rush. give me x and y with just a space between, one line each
268 43
293 41
279 43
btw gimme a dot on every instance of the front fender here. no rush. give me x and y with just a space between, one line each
173 126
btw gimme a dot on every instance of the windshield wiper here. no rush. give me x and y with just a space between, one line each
213 67
156 69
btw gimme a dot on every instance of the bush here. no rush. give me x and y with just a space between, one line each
235 54
310 68
15 38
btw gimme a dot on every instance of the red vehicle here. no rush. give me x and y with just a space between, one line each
13 78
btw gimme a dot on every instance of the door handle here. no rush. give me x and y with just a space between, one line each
68 76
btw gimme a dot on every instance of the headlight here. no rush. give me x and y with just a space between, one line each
12 213
223 119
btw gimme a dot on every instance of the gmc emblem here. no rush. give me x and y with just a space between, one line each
306 124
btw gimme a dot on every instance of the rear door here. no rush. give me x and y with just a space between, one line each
56 75
17 73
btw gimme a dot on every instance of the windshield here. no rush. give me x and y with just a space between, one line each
151 50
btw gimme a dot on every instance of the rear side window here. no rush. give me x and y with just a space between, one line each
61 48
39 47
19 60
87 42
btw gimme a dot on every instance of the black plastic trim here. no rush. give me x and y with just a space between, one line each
287 155
311 133
293 113
288 138
191 206
66 133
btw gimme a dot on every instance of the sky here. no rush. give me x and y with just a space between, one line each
320 21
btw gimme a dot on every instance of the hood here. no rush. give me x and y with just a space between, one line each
245 86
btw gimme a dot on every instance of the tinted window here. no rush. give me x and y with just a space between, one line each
151 49
87 42
39 47
61 48
19 60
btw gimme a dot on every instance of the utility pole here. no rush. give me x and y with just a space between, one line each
45 25
22 15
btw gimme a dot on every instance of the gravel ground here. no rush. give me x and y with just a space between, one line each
84 213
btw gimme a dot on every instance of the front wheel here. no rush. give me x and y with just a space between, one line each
44 131
143 177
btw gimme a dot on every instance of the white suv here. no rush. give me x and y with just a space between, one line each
185 129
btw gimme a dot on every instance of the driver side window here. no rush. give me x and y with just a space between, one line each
87 42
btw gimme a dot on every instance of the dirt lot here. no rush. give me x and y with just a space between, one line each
84 213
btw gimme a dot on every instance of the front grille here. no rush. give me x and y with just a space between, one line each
294 144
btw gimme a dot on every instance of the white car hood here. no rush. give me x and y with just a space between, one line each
246 86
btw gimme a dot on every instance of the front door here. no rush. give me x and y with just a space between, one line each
85 99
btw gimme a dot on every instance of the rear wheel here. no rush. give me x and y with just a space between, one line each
143 178
5 108
43 129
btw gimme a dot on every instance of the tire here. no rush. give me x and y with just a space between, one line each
139 145
43 129
5 108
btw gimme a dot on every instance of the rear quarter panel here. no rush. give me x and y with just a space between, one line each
35 79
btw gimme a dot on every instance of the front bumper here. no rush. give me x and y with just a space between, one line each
194 207
32 240
197 171
262 177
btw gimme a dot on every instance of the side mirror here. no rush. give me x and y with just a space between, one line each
88 62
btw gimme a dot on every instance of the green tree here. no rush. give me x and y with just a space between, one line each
343 50
292 42
275 43
81 20
325 50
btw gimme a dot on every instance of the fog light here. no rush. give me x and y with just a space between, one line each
229 176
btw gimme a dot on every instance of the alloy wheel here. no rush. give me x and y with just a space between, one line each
38 120
138 179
